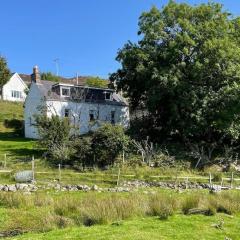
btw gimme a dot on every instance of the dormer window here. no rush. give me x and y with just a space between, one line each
108 96
65 91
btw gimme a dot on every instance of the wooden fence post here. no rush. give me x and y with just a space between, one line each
210 179
186 182
232 179
33 168
123 156
59 173
118 175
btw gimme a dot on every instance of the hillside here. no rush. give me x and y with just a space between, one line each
9 110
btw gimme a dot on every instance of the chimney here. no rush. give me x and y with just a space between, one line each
36 77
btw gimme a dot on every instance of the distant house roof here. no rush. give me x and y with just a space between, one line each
73 80
45 87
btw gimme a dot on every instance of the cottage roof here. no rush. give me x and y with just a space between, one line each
45 87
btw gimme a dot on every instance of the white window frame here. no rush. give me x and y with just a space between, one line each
110 96
16 94
65 88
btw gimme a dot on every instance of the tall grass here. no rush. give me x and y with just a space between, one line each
42 212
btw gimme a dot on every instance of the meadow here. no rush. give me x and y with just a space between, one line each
148 213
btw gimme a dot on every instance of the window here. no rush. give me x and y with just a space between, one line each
112 117
65 92
92 115
107 95
16 94
67 113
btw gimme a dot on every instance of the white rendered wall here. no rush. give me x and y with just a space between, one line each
14 84
79 113
31 108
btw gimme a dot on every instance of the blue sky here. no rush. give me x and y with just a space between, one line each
83 34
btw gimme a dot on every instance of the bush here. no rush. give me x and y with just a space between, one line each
82 151
54 135
107 142
16 124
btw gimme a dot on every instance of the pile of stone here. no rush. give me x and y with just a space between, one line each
126 186
166 185
24 187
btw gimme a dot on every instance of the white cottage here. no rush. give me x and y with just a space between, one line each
86 107
15 89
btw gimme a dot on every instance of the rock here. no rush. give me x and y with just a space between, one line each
12 188
5 188
94 188
215 189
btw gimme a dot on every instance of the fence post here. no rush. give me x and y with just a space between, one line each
210 180
222 183
186 182
59 173
118 175
33 168
5 160
123 156
232 179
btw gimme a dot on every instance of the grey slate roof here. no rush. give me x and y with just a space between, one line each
45 87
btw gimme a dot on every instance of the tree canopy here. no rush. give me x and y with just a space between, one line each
185 70
4 72
97 82
50 77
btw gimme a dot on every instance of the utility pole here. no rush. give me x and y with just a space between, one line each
77 77
56 60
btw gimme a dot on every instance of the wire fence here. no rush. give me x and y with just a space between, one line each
62 174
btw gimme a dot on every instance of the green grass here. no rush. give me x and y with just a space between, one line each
178 227
9 110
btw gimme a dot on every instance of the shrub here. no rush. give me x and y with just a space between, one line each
55 137
16 124
107 142
82 151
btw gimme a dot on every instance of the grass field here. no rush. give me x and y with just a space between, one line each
55 215
178 227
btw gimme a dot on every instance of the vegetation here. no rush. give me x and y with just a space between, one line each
50 77
40 212
184 71
4 73
177 227
107 142
97 82
101 148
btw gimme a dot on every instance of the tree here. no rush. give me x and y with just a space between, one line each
185 70
97 82
4 73
50 77
107 142
54 135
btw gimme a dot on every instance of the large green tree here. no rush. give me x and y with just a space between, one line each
4 73
185 70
